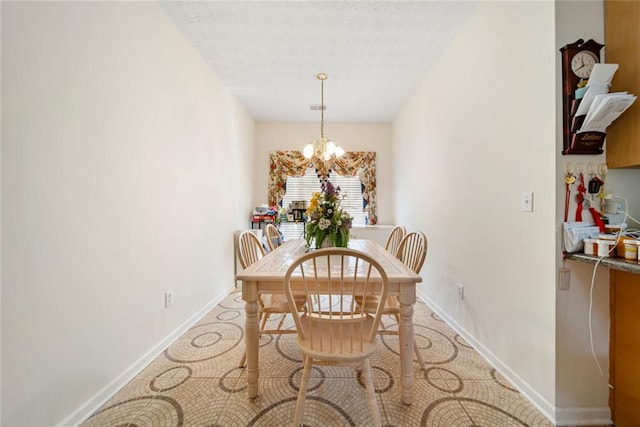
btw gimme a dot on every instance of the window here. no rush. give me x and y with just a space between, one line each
292 163
302 187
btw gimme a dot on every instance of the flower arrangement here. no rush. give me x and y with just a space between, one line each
328 223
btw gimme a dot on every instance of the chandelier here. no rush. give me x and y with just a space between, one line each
323 148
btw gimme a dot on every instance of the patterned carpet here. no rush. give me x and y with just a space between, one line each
196 382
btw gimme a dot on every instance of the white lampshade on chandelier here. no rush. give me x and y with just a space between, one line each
322 148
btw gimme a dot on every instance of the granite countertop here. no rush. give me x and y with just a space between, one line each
613 263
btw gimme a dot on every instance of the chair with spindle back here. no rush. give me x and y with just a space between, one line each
412 251
250 250
273 237
333 329
394 239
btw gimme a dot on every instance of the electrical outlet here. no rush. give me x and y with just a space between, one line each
564 279
168 299
460 291
527 202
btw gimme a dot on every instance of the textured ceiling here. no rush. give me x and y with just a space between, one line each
269 52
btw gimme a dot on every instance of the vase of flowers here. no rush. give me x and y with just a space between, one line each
328 223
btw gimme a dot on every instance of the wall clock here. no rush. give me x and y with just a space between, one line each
578 60
582 63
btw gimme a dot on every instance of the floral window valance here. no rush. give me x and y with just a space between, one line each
283 164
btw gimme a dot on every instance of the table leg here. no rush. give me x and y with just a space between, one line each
406 347
251 336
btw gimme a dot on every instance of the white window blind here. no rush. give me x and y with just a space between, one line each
302 187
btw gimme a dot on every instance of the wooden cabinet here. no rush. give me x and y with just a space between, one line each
624 352
622 46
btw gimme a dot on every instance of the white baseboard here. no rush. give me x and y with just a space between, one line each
100 398
560 417
583 416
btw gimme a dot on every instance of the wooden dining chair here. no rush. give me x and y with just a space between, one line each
394 238
412 251
273 237
250 250
333 329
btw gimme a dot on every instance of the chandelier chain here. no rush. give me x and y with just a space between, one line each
321 106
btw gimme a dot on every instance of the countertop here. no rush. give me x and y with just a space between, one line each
613 263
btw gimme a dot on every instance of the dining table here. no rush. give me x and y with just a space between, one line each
266 276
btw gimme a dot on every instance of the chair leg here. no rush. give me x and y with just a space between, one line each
265 317
302 393
243 360
416 350
384 328
371 393
284 315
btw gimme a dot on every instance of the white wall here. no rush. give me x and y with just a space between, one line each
350 136
478 132
120 148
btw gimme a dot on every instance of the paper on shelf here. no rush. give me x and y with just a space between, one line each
602 73
598 100
595 88
604 110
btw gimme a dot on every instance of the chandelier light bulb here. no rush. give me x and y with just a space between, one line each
331 148
308 151
339 151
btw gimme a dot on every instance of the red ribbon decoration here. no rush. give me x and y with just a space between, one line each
598 219
581 191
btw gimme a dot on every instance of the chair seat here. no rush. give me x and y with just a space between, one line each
391 305
335 342
277 303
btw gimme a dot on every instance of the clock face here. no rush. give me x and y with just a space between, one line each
582 63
